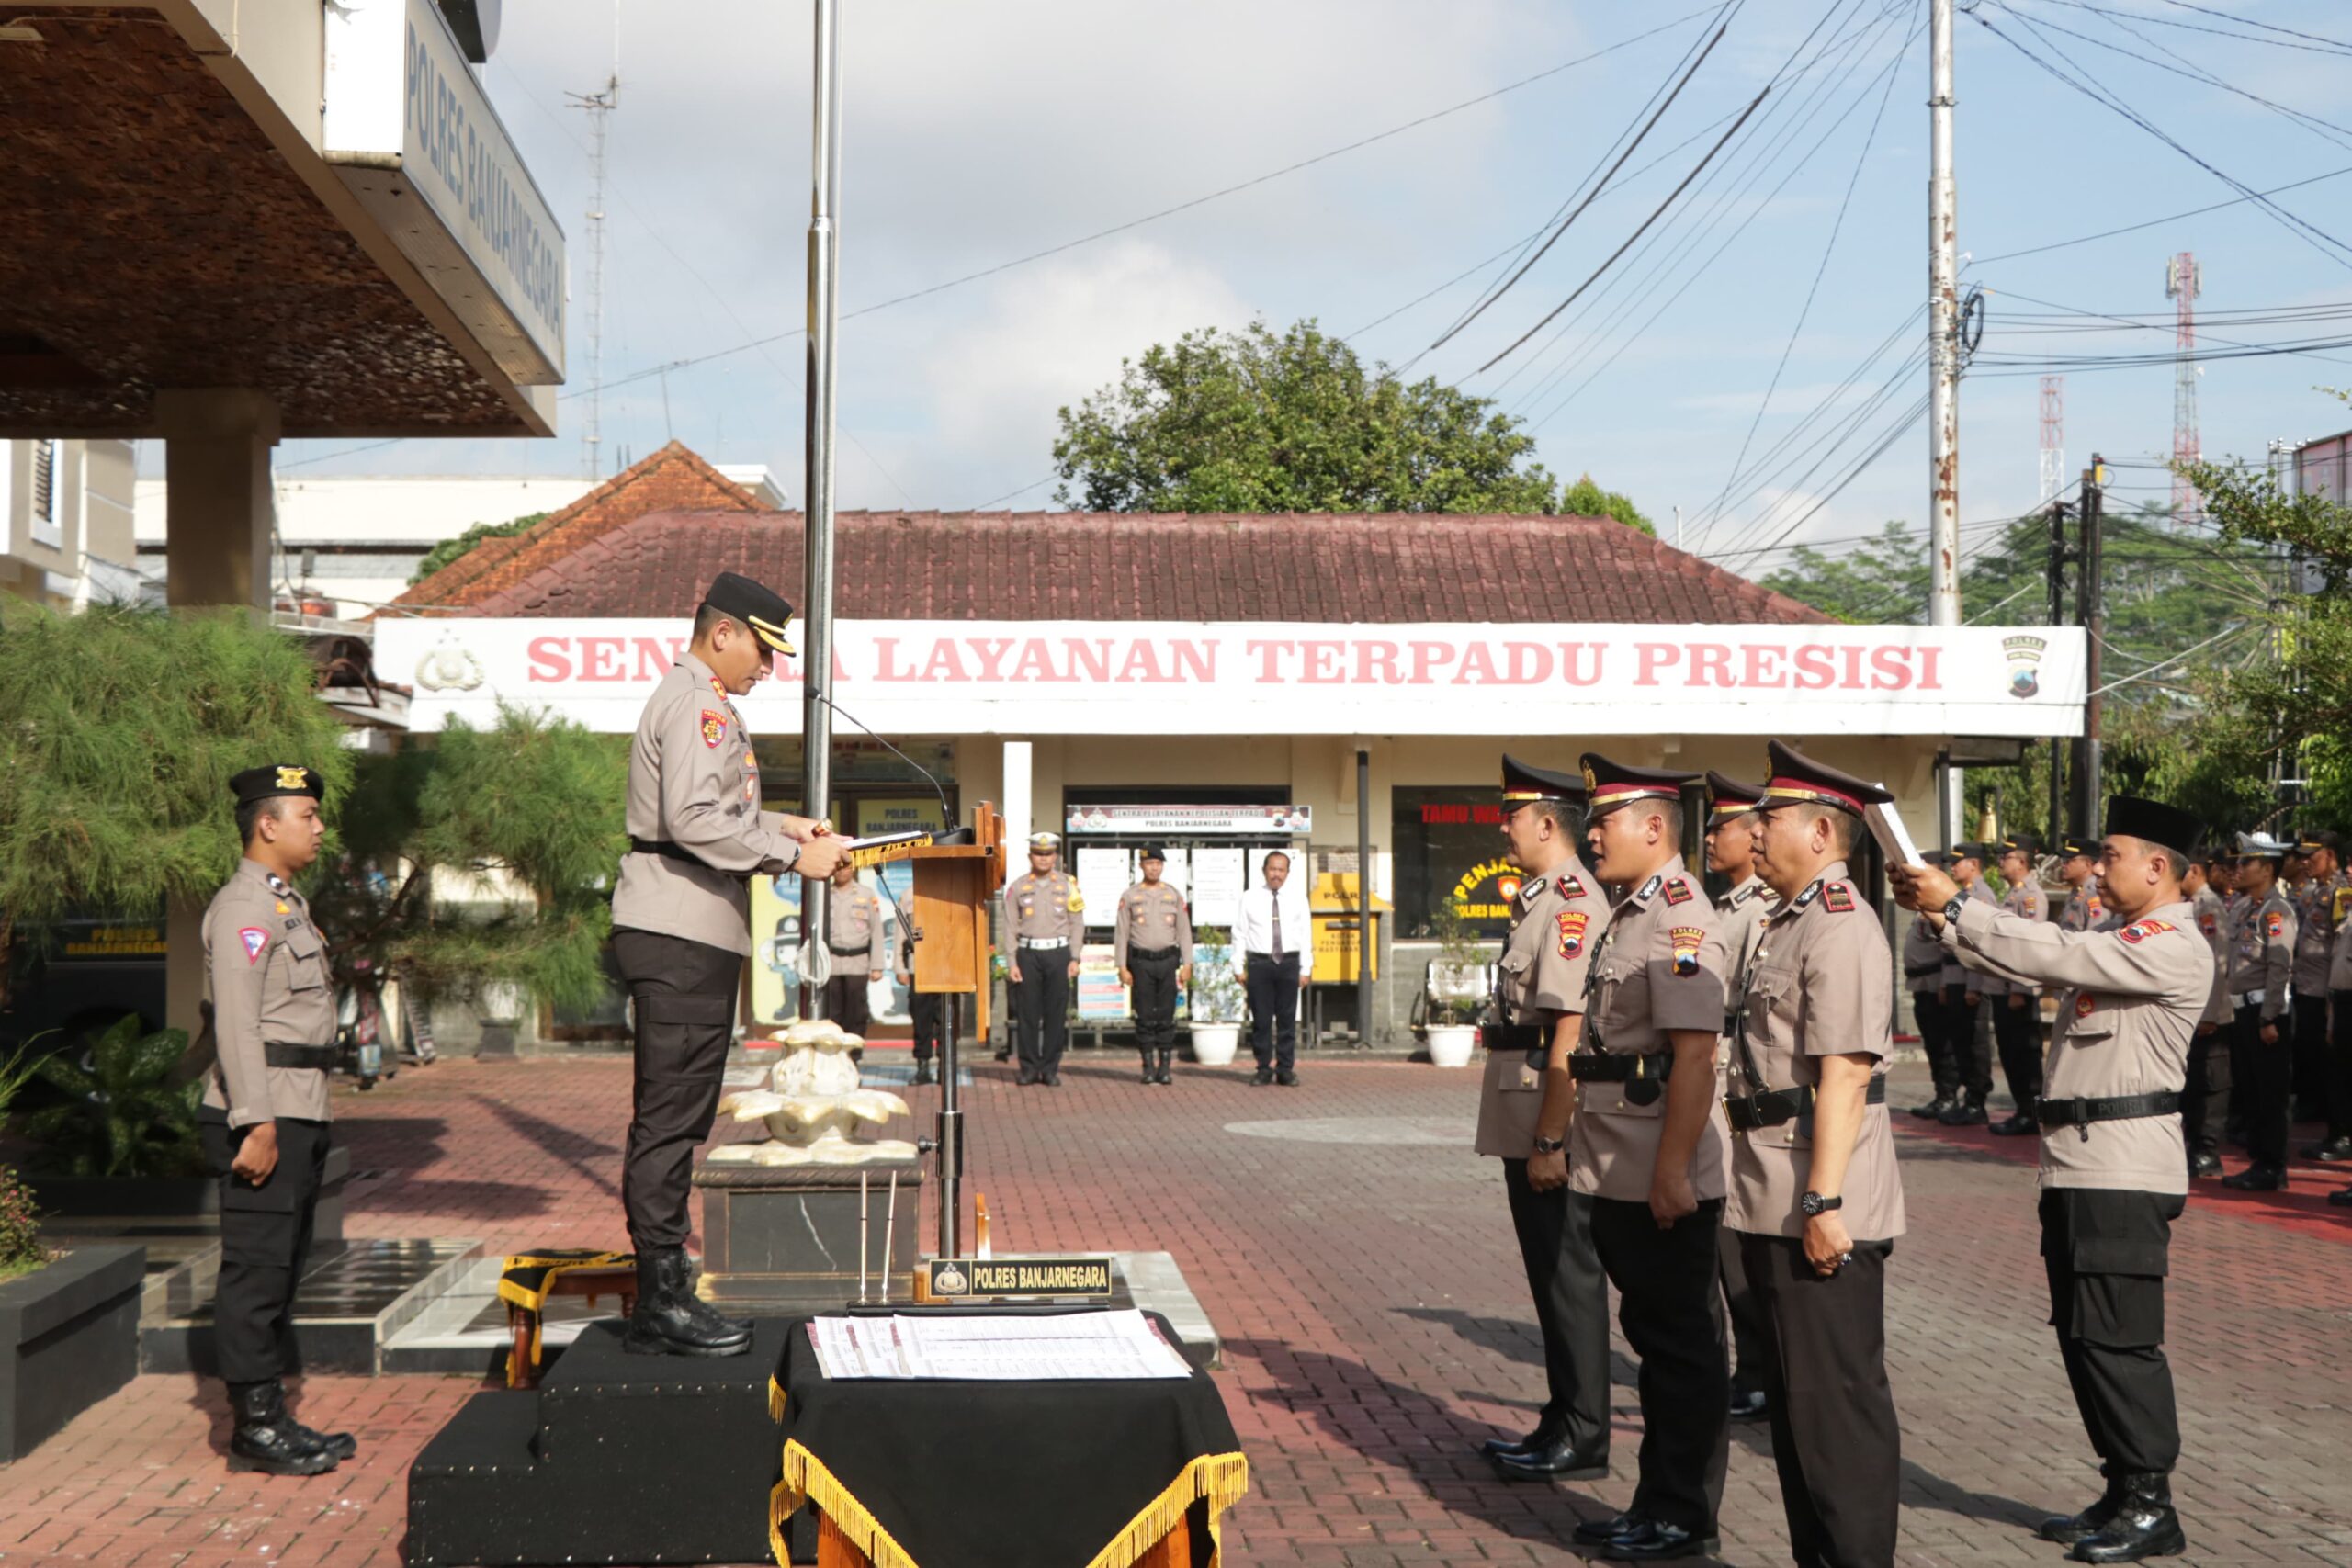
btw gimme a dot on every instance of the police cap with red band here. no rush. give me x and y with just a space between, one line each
1614 784
1797 780
1522 782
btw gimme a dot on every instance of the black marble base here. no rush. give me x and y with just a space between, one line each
344 1307
782 1238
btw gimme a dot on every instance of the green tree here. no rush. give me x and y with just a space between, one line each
478 855
120 730
1255 423
1882 579
447 550
1586 498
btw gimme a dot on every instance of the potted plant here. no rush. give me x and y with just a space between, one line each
1216 1002
1458 990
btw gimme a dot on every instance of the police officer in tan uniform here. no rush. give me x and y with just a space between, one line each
270 1005
1814 1193
926 1010
1525 1099
2206 908
854 937
2113 1172
2316 902
1045 920
2017 1004
2079 869
1646 1153
681 928
1152 939
1731 854
2261 963
1966 1019
1923 976
2336 1147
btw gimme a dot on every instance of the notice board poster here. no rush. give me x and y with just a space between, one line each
1217 880
1103 875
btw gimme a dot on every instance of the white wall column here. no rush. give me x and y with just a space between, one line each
1019 798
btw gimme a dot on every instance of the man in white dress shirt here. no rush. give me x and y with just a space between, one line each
1275 925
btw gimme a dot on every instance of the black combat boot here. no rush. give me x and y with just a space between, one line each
670 1320
1966 1112
1150 1066
342 1445
1933 1109
2068 1528
267 1439
1167 1064
925 1073
2144 1525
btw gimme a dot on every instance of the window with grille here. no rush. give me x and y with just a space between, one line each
46 530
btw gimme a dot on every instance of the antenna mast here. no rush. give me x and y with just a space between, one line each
598 104
2054 436
2184 281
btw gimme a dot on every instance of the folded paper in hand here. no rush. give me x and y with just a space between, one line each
1894 838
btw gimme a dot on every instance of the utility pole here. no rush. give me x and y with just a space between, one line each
1943 363
2057 615
2086 604
817 480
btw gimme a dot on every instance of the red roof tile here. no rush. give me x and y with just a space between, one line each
1393 568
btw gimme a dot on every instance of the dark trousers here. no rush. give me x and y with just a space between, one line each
1748 1332
2339 1068
1043 1009
2271 1069
1935 1030
1836 1441
1669 1305
2106 1254
2017 1031
2205 1098
1273 1009
1154 996
1971 1052
265 1241
847 1000
927 1011
1571 1296
2310 1053
685 996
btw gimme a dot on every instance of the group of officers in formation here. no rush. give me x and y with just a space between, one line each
1689 1100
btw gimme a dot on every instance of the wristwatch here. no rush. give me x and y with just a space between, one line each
1952 909
1814 1204
1544 1146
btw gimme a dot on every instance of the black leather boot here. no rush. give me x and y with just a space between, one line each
2068 1528
1546 1433
1556 1461
267 1439
670 1320
1933 1109
925 1073
2145 1525
1967 1112
1167 1065
1150 1068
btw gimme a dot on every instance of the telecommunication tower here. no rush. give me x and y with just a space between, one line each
2184 281
598 104
2054 436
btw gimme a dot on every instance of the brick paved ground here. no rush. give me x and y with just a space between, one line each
1361 1269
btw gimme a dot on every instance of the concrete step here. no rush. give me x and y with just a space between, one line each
352 1299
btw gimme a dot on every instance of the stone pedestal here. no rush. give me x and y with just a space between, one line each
779 1239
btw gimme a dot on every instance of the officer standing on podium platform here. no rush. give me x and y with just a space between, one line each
264 1124
2113 1173
1044 921
681 929
1152 943
1525 1101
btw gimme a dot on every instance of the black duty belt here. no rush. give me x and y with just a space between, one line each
2080 1112
1920 972
1643 1076
1515 1036
1154 953
680 853
1749 1112
854 948
278 1053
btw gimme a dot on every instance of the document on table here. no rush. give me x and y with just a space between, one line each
1007 1349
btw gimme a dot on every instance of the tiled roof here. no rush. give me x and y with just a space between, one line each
672 479
1393 568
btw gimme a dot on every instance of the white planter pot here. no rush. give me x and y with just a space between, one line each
501 1001
1215 1043
1451 1044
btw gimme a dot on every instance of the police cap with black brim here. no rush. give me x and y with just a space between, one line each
762 610
1797 780
1614 784
275 779
1729 799
1522 782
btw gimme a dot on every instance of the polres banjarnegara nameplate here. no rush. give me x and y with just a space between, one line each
1018 1279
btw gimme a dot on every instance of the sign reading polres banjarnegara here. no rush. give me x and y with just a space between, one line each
1012 1278
1298 678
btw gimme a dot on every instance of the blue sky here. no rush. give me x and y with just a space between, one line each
977 135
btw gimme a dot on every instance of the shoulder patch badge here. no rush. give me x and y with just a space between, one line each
2208 924
2274 923
2098 910
1838 896
1568 886
2140 931
1678 891
1686 940
714 728
255 939
1572 924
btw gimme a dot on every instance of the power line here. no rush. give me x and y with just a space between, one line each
2156 222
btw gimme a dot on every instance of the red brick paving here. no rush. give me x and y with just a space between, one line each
1375 1323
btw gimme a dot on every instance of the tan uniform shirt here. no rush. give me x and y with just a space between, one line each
1819 985
2084 909
1742 915
2209 912
2026 900
1923 959
693 782
1660 968
265 976
1955 972
853 927
1151 916
2339 963
1555 920
2135 992
1046 908
2316 905
2262 953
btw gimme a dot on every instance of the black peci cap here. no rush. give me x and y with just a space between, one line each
761 609
1153 852
1614 784
2167 827
277 779
1522 782
1797 779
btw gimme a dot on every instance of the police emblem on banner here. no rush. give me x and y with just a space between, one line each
1685 941
1572 924
2024 654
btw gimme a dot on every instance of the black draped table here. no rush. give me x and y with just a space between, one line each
984 1474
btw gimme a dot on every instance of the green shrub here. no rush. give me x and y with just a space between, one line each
124 1114
20 1248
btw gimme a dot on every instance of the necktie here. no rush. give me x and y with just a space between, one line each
1275 899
